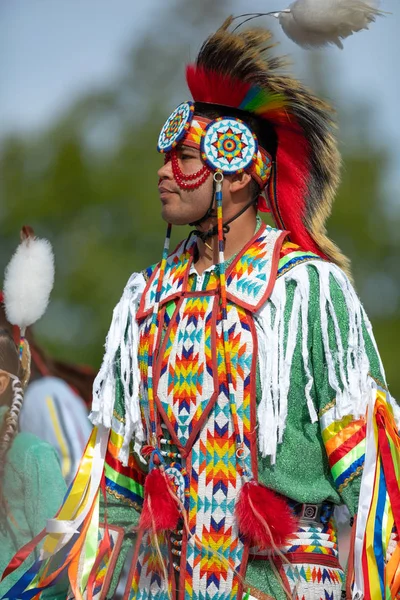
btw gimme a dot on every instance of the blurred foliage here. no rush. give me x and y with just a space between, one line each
88 184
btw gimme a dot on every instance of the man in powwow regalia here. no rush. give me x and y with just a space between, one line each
241 397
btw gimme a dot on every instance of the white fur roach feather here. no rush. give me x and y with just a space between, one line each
321 22
28 281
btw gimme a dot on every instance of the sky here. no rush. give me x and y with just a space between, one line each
51 51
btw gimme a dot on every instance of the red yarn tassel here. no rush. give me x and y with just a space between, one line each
264 518
160 510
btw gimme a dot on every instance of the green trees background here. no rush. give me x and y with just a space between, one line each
89 184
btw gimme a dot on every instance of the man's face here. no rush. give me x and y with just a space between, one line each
180 206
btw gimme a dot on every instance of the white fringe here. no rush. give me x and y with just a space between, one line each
124 335
350 382
352 387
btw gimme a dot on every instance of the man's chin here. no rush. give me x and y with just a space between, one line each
174 219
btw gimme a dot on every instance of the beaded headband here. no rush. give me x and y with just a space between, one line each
226 144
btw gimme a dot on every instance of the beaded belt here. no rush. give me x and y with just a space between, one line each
313 513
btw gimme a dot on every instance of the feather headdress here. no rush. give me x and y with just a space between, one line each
236 70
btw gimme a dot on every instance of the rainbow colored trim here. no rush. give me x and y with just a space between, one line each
344 441
125 483
379 509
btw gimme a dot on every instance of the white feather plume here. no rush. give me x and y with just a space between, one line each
321 22
28 281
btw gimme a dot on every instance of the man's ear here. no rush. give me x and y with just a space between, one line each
239 181
4 381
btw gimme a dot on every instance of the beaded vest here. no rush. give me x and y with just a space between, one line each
194 414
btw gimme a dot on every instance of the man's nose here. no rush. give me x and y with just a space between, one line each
165 172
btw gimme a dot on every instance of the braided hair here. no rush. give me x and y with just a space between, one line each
9 362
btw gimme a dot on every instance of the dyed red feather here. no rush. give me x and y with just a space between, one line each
160 509
264 518
215 88
292 179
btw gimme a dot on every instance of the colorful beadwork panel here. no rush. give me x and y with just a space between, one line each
261 169
292 255
249 279
174 278
229 146
149 579
314 582
175 127
314 538
209 569
185 374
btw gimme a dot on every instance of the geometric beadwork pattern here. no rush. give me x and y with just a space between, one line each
195 132
292 255
186 383
176 271
311 539
314 582
316 539
261 169
106 563
148 581
190 368
229 146
192 394
248 278
175 127
209 571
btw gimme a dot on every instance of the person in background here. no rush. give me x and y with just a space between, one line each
56 406
31 484
56 403
32 487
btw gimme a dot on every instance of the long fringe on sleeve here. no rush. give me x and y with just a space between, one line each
122 338
346 359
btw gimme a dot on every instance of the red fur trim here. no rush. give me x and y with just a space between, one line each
160 510
261 514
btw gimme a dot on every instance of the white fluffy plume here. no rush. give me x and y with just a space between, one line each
321 22
28 280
